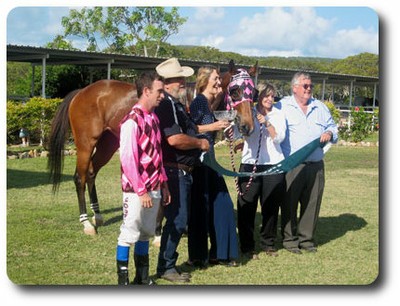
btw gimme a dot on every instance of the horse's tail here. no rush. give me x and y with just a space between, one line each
59 129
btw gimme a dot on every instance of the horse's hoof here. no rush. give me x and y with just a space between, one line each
88 228
97 220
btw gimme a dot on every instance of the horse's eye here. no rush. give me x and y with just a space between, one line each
236 94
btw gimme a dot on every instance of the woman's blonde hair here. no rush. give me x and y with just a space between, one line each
203 75
265 90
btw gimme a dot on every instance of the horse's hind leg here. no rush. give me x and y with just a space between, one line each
94 202
105 149
80 179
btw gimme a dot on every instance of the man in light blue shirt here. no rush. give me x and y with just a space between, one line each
306 119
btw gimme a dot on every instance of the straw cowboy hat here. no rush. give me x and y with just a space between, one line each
172 69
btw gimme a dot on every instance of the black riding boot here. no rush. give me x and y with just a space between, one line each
142 270
122 270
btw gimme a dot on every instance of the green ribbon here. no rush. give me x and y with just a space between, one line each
285 165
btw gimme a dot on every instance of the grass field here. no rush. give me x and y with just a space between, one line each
46 244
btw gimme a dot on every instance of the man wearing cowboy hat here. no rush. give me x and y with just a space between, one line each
181 150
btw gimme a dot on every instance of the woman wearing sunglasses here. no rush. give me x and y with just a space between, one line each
269 132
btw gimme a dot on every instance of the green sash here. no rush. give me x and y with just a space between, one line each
285 165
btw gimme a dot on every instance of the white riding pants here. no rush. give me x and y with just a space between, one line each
139 223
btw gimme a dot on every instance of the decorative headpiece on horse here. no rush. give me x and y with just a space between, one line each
240 89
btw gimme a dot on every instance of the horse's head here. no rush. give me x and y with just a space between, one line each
238 82
240 95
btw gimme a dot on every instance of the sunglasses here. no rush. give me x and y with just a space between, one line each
307 86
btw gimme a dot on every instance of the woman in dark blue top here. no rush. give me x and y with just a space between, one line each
212 213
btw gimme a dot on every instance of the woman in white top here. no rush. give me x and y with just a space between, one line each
269 189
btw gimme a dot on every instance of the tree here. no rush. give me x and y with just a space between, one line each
60 43
19 76
362 64
129 30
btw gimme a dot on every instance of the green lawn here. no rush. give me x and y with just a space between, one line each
46 244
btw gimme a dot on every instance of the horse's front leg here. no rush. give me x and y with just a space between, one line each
88 228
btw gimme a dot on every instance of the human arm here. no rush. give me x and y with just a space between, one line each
186 142
129 158
215 126
330 132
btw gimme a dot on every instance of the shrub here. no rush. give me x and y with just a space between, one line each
35 115
334 111
361 125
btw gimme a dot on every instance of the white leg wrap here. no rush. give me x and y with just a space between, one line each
83 218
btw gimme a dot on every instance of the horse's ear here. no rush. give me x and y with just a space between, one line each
232 67
253 71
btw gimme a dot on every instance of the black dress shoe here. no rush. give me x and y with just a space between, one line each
175 277
294 250
196 264
228 263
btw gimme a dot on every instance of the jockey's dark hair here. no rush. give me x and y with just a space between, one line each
146 79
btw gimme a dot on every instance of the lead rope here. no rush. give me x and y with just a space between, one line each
231 151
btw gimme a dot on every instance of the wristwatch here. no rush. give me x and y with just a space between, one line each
267 124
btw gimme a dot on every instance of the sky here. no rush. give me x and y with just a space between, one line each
333 32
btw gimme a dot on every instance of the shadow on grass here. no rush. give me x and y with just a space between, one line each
28 179
331 228
328 229
115 219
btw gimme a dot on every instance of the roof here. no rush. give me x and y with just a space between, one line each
35 56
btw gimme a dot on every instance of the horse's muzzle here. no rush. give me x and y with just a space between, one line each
245 130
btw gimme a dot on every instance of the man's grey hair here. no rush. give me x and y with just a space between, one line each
300 75
297 76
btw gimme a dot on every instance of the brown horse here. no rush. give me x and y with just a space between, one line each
93 114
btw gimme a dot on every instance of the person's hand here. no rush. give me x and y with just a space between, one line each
204 145
146 201
221 124
166 195
326 136
261 118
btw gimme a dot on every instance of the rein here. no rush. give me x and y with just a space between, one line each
231 152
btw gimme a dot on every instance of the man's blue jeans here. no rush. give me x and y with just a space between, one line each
176 215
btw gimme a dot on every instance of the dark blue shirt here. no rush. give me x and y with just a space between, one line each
175 120
201 114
